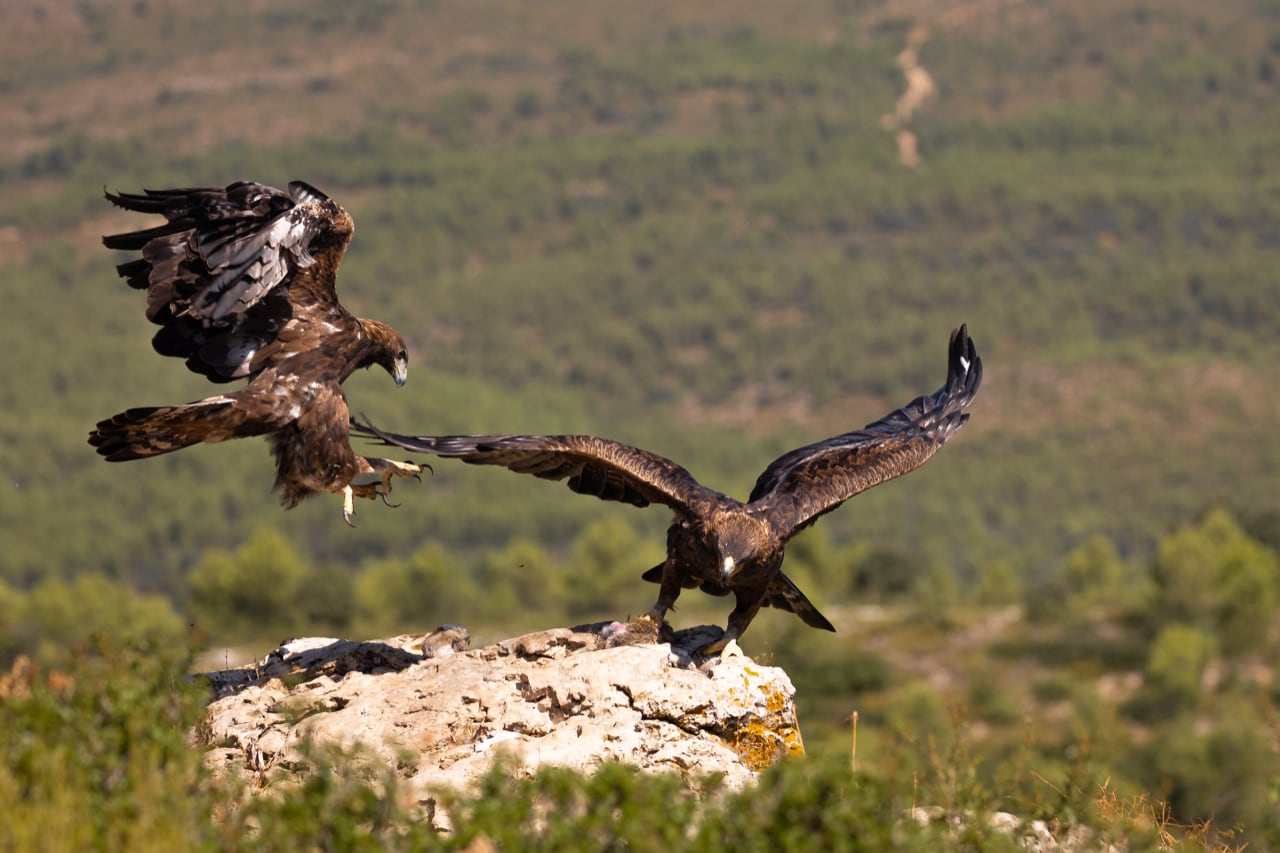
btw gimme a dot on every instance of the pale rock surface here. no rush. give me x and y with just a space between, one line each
439 713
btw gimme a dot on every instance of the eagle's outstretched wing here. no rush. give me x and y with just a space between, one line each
609 470
221 274
804 484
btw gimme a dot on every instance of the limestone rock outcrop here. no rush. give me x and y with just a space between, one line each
440 713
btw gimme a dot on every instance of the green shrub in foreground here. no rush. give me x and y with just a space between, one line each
94 755
97 755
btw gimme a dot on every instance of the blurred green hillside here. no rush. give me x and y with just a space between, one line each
685 227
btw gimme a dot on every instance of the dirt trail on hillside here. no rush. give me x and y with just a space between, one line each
919 89
919 82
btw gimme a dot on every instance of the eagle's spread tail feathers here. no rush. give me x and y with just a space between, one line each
153 430
785 595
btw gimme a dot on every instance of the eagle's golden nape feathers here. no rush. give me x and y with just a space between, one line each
241 281
717 543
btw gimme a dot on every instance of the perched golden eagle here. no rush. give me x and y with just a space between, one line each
241 282
715 542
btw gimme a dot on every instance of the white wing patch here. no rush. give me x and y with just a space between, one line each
301 192
248 263
219 400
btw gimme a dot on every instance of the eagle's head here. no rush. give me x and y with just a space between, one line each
738 542
399 367
389 350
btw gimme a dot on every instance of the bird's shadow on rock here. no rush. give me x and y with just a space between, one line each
299 661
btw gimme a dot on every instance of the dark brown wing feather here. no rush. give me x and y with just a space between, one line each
224 276
802 485
609 470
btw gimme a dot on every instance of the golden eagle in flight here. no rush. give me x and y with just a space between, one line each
716 542
241 282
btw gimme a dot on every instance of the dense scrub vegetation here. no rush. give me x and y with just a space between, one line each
690 231
1111 686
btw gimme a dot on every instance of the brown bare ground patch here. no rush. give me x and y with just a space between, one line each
1192 399
1026 399
755 408
203 75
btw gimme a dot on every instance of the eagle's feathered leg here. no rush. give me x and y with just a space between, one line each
668 579
654 621
748 605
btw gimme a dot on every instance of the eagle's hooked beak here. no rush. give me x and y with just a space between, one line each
401 372
726 571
